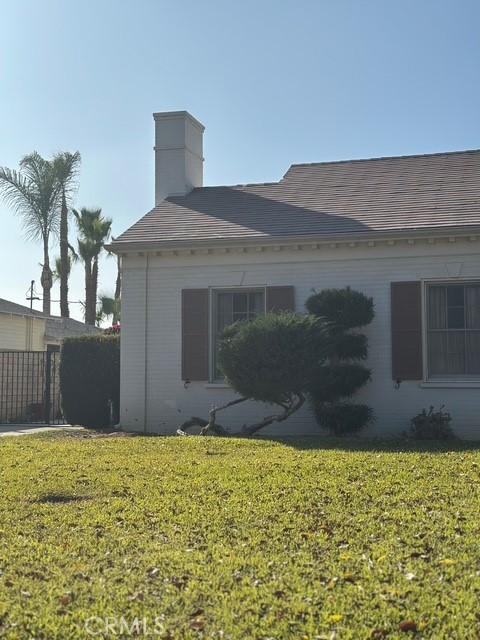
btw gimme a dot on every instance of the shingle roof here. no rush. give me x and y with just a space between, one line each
6 306
59 328
346 198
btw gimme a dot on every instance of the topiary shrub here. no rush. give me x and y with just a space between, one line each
342 375
432 425
90 380
270 359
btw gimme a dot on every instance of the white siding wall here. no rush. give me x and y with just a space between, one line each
165 403
21 333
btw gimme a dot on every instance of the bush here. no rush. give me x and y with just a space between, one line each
431 425
90 380
274 356
342 417
344 308
342 375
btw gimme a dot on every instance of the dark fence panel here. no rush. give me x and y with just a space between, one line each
30 387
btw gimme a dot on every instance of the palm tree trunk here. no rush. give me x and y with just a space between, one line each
93 292
64 311
46 278
91 283
88 292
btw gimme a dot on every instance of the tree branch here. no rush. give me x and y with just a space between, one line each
208 425
294 406
211 426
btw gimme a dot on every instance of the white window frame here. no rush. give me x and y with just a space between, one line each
453 381
213 292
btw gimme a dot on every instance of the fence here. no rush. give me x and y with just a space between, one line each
30 387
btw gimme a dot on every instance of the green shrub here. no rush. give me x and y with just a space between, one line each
342 418
335 380
90 380
344 308
273 357
431 425
342 375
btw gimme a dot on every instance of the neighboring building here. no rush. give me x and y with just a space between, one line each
25 329
403 230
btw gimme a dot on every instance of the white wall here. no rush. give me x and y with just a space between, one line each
163 403
21 333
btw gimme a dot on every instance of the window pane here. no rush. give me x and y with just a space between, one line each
240 317
472 297
456 352
437 353
255 303
446 353
455 295
473 352
437 307
240 302
456 318
224 311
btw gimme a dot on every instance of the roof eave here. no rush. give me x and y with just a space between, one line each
436 232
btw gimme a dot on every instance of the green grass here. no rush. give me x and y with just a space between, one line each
238 539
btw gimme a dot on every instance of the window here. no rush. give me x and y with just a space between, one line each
233 306
453 330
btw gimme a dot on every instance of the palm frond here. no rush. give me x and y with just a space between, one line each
33 193
67 167
57 273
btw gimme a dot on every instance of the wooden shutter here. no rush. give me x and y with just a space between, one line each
195 334
280 299
406 308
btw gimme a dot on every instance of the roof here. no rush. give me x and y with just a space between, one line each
55 327
345 198
59 328
6 306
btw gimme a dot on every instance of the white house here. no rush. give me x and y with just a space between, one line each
405 230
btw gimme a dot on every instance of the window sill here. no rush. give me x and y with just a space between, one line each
217 385
451 384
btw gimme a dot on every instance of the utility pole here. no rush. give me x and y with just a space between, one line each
32 297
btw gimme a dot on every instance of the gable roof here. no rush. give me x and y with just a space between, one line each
6 306
346 198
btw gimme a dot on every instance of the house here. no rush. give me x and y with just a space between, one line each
25 329
404 230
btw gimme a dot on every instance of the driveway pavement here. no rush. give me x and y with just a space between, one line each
30 429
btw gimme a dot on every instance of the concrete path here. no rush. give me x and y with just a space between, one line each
30 429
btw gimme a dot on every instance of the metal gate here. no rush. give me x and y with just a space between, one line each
30 387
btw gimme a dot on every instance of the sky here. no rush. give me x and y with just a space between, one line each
274 82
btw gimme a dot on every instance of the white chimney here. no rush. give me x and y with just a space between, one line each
178 154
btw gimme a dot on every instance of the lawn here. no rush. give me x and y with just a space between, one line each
217 538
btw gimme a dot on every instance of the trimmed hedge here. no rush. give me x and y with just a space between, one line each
274 356
90 380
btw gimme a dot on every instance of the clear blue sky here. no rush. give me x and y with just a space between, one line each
274 82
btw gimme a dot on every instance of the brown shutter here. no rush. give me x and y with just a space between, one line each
406 308
280 299
195 334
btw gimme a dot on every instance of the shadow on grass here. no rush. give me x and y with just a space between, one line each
60 498
375 445
326 442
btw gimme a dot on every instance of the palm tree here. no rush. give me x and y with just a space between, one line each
66 167
94 231
33 192
57 272
109 307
